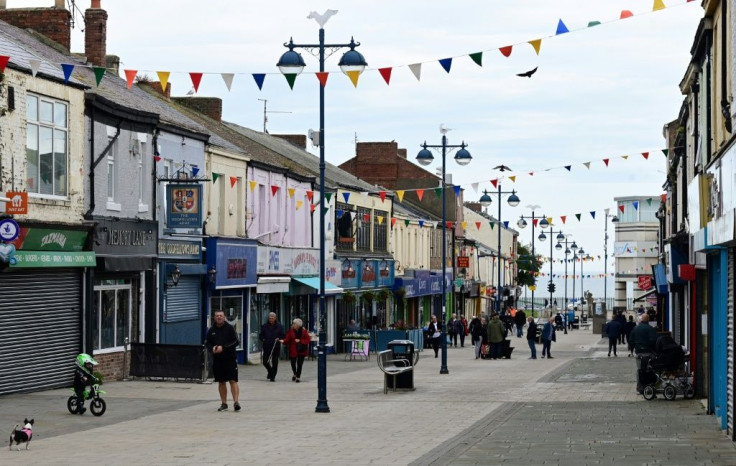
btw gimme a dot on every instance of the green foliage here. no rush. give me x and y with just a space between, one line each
382 295
527 268
348 297
367 296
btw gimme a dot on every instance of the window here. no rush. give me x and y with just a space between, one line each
46 146
142 204
232 306
363 237
381 231
344 223
111 170
111 313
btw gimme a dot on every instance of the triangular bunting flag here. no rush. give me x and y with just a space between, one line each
35 65
665 152
649 201
645 155
163 76
438 192
233 180
310 196
99 73
531 173
626 14
593 23
299 204
506 224
587 165
311 208
291 192
328 196
446 63
406 222
477 225
420 194
568 167
606 161
322 77
417 70
382 195
494 182
592 214
196 79
195 170
393 221
353 75
464 224
513 178
449 225
339 213
215 176
3 62
506 51
421 223
228 78
578 216
493 224
636 205
536 44
400 194
345 196
364 194
621 208
68 68
259 78
157 158
535 221
130 76
561 28
274 190
253 185
385 74
291 79
325 210
563 218
380 219
477 58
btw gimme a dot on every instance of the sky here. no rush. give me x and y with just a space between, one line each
600 92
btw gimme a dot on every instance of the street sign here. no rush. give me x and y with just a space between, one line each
18 203
463 261
645 282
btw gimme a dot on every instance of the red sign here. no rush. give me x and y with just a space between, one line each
18 203
463 261
645 282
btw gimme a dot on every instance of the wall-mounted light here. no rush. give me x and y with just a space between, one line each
383 268
175 277
212 275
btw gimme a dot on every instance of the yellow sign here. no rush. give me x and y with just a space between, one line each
533 287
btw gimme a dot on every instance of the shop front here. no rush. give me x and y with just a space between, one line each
41 288
234 262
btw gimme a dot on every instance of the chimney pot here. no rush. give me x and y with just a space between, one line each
59 4
95 4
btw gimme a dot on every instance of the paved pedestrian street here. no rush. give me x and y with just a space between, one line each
575 409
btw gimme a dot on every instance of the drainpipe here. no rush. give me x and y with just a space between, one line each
94 162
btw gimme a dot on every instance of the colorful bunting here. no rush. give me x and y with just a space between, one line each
385 74
328 196
299 204
130 76
291 192
35 65
568 167
228 78
259 78
606 161
537 43
68 68
291 79
393 221
457 190
621 208
99 74
311 208
438 192
353 75
382 195
506 51
380 219
196 79
310 196
274 190
233 180
252 184
477 225
592 214
578 216
446 64
636 205
513 178
345 196
561 28
626 14
477 58
495 183
420 194
195 171
406 222
163 77
400 194
322 77
416 69
215 176
593 23
645 155
3 62
563 218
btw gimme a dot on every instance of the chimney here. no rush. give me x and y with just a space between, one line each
401 153
95 34
210 106
156 86
54 23
299 140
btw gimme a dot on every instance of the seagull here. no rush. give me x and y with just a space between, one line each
191 91
528 74
444 130
502 168
321 18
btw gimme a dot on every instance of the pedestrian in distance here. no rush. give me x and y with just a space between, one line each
548 336
630 325
459 331
613 330
465 332
297 339
496 335
434 329
570 319
476 339
451 330
222 340
621 319
520 320
531 337
271 334
352 326
642 341
485 351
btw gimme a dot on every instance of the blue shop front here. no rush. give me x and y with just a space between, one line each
422 291
232 271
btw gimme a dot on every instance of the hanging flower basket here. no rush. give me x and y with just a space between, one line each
348 297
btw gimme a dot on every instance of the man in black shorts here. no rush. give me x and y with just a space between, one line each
222 341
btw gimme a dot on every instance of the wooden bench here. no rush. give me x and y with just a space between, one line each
392 367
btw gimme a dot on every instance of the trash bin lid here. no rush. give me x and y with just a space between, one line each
400 342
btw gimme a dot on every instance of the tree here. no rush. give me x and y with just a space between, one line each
527 268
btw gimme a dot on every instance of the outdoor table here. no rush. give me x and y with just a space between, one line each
357 349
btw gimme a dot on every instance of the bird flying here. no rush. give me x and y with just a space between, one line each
502 168
528 74
321 18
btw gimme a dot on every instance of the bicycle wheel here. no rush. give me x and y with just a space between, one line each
689 392
98 406
670 392
649 393
71 404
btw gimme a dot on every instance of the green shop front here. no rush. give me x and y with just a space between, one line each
42 296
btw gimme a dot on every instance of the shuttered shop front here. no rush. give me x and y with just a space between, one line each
40 328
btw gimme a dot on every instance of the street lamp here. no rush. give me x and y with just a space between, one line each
291 64
574 248
462 157
543 223
614 219
485 201
542 238
583 258
567 253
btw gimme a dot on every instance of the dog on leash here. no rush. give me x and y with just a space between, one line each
23 435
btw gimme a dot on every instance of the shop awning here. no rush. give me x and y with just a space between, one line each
313 282
645 295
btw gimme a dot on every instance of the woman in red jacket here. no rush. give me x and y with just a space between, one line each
297 338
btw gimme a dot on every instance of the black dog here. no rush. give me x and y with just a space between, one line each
21 435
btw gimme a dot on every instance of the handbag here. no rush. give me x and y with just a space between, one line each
301 347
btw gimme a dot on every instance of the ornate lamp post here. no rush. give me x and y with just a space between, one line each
574 248
567 253
485 201
462 157
560 237
291 63
543 223
614 219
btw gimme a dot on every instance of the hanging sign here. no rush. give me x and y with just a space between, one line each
184 206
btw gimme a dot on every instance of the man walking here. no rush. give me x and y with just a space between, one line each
642 340
271 333
495 336
613 329
548 336
221 341
520 320
531 337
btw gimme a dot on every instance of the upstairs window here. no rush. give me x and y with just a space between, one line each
46 146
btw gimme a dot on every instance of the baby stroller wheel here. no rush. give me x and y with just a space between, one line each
649 393
71 404
689 392
98 407
670 392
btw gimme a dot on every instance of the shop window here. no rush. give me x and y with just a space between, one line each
260 306
381 231
111 314
46 146
232 306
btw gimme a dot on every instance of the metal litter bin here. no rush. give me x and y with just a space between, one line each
402 350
